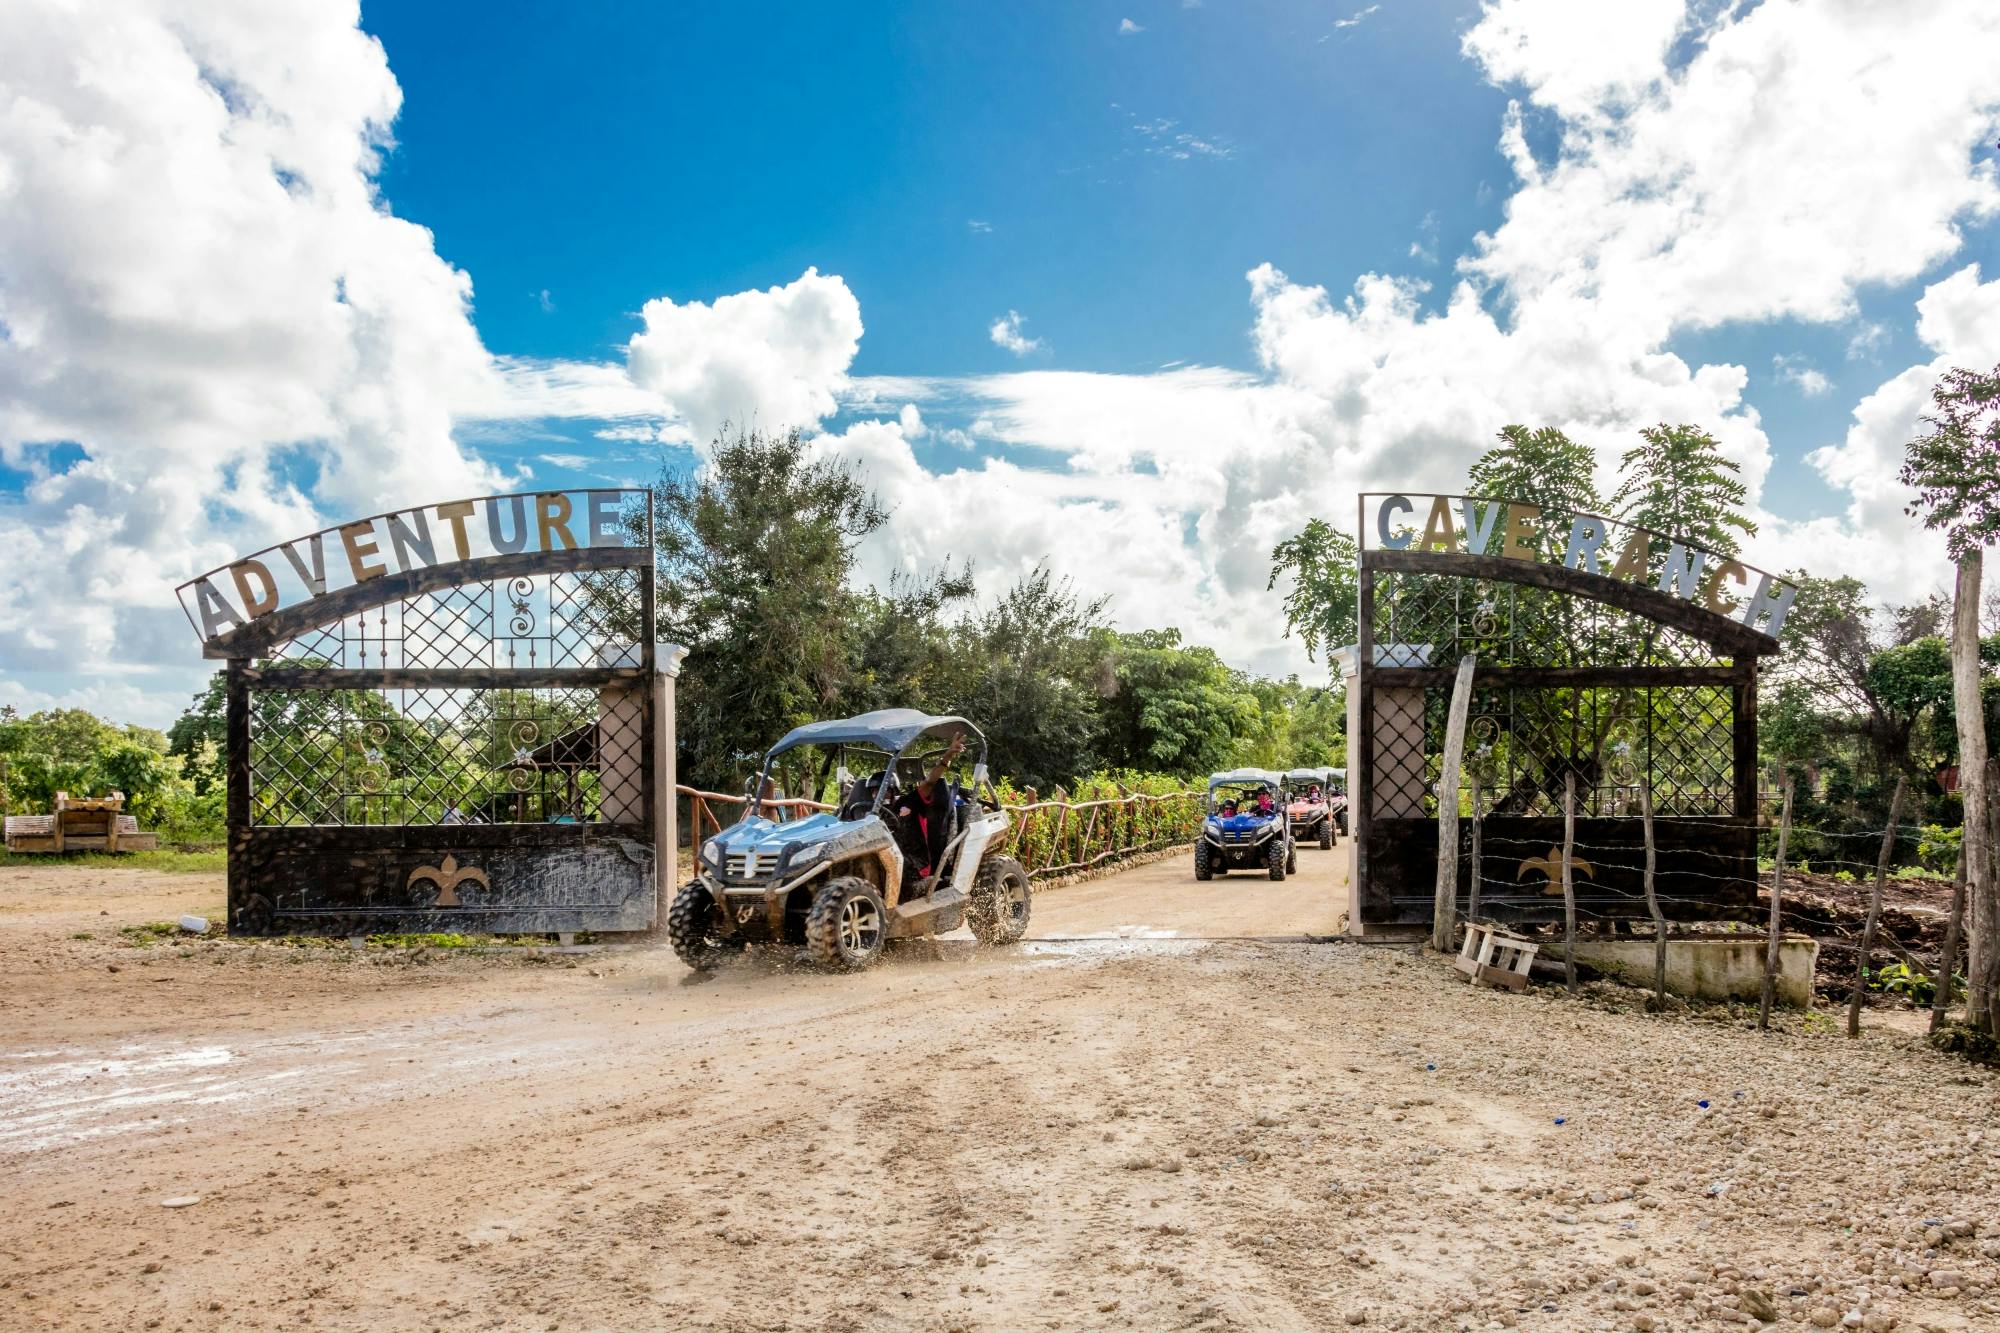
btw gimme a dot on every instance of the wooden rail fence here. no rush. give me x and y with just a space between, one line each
1049 837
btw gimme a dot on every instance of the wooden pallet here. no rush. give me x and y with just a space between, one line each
79 824
1494 957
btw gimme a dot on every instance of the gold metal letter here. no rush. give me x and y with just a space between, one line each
1439 534
1632 560
259 602
552 517
455 514
359 541
1712 596
1520 543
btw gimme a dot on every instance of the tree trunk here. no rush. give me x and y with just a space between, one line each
1445 907
1984 935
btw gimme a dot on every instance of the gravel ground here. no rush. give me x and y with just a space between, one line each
1121 1132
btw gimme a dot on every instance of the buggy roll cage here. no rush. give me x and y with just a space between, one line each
1249 779
895 734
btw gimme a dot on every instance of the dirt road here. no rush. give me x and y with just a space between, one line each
1141 1130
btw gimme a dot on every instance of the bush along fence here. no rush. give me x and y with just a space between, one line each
1103 822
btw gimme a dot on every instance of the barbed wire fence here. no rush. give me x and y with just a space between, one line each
1942 967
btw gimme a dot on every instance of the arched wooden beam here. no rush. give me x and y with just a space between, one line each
267 632
1718 631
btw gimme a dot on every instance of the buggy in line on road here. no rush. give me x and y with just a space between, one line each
1238 834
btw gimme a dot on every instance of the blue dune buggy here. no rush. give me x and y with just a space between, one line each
1237 835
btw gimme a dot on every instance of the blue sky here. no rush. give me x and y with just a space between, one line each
691 151
1134 289
953 163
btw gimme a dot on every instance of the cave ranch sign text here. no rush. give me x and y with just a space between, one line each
409 539
1512 530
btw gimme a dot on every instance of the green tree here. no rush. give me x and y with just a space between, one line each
1955 465
1177 709
1676 481
753 553
1544 468
1324 565
1955 468
202 732
1791 728
907 649
1038 680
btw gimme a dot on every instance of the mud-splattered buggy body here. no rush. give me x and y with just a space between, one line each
1336 798
1245 840
1310 809
842 884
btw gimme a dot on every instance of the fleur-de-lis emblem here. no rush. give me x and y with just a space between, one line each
448 876
1552 866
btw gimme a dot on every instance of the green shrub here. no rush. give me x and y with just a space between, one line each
1937 848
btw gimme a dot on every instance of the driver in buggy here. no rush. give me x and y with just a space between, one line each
1313 792
922 821
1265 805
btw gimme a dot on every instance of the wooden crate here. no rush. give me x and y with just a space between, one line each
1495 957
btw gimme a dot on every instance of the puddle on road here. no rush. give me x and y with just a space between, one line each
1119 942
59 1097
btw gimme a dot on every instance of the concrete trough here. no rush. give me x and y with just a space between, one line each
1715 966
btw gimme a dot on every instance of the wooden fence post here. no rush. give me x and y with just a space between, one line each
1777 910
1445 905
1941 1001
1569 882
1653 897
1874 911
1062 823
1472 898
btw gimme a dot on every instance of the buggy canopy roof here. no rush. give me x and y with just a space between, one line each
1245 777
1307 774
886 729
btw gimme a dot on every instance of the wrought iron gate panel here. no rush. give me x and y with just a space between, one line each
439 755
459 745
1611 669
571 618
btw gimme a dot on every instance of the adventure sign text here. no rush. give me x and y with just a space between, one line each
1468 525
430 536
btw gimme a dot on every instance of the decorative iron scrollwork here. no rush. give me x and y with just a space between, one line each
520 593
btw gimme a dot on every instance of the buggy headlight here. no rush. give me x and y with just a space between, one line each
1267 830
711 852
809 852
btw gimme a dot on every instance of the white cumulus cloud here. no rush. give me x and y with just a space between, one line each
1006 333
779 356
201 288
1801 375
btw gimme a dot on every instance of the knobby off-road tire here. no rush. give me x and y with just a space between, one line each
1326 834
1292 859
848 926
1204 860
1001 902
1274 857
690 931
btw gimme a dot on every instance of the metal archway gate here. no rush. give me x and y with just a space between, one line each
1607 653
444 719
